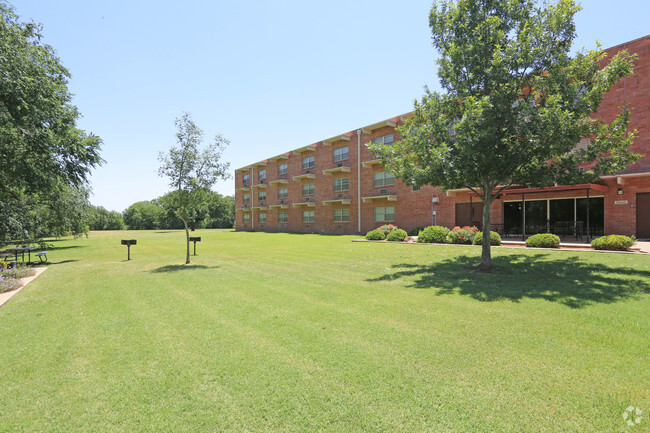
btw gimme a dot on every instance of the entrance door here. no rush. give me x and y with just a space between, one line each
643 215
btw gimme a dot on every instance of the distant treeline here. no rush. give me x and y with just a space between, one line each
218 212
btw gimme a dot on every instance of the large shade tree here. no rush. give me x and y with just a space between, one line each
192 171
514 104
43 155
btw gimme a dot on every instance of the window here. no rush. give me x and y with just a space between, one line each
262 174
582 144
341 215
308 216
246 178
307 162
308 189
261 196
283 169
283 193
283 217
384 214
247 218
384 178
342 153
342 184
247 198
386 139
261 218
416 188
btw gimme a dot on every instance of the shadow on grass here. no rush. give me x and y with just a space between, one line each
68 247
176 268
572 281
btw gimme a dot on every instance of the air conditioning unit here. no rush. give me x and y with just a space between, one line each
281 201
383 191
282 177
340 196
340 164
340 226
307 172
261 181
307 199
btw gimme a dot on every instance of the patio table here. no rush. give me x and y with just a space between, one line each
22 250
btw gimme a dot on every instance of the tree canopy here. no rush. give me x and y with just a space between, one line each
43 155
515 104
192 171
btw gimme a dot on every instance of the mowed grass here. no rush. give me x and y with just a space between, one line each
308 333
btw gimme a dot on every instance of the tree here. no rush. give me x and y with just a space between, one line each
103 219
42 152
142 215
515 105
221 211
192 171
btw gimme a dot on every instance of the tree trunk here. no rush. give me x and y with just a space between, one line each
486 252
187 238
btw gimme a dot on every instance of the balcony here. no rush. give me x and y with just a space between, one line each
259 186
279 182
389 197
305 176
244 189
335 170
261 207
243 209
279 206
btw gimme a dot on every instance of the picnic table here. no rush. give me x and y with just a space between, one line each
24 249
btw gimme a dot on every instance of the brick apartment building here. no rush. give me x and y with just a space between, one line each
338 186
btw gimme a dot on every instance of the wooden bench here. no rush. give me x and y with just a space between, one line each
41 255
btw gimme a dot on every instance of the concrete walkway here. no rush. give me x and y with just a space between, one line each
643 246
6 296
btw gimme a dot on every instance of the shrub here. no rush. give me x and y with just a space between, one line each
435 234
387 228
415 231
543 240
612 242
396 236
17 272
461 235
375 235
495 239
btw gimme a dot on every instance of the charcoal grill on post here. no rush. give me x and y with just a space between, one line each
128 243
195 240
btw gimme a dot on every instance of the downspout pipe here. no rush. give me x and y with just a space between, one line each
359 179
252 199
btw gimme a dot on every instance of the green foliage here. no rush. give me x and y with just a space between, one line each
415 230
143 215
397 235
495 239
375 235
461 235
103 219
44 158
433 234
543 240
515 104
612 242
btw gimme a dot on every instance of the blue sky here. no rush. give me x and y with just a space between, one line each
270 76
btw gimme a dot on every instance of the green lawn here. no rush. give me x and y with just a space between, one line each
308 333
